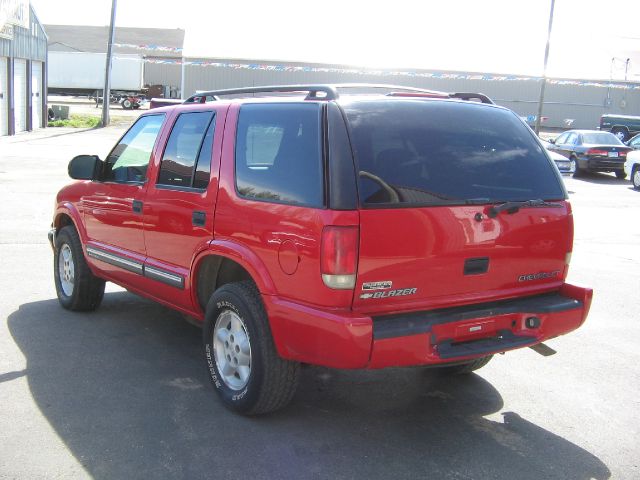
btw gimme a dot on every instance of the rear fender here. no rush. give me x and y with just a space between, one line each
244 257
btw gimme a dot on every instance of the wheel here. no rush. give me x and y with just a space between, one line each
635 177
126 104
466 368
244 367
620 174
621 133
77 287
575 166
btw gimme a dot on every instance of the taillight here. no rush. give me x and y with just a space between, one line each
597 151
622 154
339 256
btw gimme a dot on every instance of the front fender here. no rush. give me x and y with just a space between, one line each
71 211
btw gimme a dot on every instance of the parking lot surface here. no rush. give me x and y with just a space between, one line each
123 392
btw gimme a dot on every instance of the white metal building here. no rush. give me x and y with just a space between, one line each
23 56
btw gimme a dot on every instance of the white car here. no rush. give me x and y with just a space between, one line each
566 166
632 168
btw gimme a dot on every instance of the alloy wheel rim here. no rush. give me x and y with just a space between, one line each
232 350
66 270
636 178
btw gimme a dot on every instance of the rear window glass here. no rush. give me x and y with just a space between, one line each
600 138
443 153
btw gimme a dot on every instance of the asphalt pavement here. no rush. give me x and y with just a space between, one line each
123 392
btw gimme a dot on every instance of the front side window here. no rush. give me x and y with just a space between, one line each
129 159
187 155
279 153
415 152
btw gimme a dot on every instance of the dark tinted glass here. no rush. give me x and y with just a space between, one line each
203 166
182 149
600 138
129 159
438 152
279 155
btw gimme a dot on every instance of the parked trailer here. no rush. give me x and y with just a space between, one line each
82 73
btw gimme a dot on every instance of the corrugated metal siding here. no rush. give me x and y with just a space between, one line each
162 74
582 105
28 43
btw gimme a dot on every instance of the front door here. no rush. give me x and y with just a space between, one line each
113 208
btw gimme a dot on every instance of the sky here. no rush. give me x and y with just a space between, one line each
590 38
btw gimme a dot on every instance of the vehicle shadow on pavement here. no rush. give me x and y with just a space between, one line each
601 179
126 389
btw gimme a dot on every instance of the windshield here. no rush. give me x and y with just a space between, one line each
414 152
600 138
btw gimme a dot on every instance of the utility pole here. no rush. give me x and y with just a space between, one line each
544 72
106 94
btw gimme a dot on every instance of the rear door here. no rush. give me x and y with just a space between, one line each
180 200
430 172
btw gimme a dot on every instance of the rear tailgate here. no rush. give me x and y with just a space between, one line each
433 257
430 173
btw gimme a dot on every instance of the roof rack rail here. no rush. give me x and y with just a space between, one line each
470 96
330 92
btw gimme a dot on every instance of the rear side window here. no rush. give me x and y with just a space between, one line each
186 161
442 153
279 154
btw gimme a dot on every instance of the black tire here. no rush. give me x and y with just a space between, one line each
635 177
272 381
621 133
126 104
621 175
577 172
466 368
77 287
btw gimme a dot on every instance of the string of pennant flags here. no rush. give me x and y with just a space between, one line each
357 71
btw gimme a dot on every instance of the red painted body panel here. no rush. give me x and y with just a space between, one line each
263 228
426 249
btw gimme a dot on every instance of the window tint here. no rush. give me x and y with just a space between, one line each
602 138
129 160
437 152
279 153
184 147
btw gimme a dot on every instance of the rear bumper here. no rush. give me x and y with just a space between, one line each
349 340
604 164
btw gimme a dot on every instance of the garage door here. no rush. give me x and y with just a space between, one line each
4 111
19 94
36 94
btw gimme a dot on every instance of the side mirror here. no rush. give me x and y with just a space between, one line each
84 167
552 140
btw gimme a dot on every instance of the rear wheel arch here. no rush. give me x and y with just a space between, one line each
212 271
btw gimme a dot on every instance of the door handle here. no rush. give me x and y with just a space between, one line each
198 219
137 206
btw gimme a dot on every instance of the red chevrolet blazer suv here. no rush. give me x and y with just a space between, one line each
319 224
